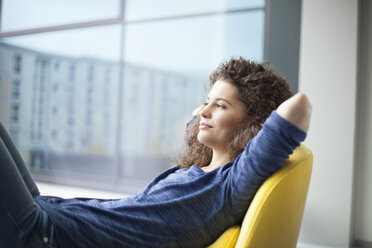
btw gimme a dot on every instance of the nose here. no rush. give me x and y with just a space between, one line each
205 112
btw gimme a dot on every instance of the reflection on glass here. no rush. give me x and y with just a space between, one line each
24 14
61 108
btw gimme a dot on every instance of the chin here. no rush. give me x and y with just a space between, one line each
201 139
204 141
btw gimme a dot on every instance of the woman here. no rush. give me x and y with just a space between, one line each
234 143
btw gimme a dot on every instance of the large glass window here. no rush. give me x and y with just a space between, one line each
106 106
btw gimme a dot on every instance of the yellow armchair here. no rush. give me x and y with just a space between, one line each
274 217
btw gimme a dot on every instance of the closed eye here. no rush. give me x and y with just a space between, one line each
221 106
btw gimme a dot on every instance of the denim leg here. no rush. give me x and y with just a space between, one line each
22 168
22 222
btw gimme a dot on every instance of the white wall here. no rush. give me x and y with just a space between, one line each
328 70
363 182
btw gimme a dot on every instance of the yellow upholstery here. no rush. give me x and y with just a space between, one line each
227 239
275 214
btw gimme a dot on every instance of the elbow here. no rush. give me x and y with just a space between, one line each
297 110
304 111
304 104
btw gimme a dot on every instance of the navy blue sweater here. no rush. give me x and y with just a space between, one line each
180 207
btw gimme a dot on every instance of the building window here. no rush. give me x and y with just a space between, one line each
55 87
17 64
55 110
70 142
14 113
56 65
43 71
90 73
54 134
72 73
32 129
16 89
40 129
107 75
88 119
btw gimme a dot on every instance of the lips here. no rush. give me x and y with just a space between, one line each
204 125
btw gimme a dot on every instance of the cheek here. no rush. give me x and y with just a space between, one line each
229 127
230 124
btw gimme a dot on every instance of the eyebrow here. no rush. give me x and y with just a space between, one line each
223 99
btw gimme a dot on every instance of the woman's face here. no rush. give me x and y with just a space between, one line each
221 115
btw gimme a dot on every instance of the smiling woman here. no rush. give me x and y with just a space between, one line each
236 103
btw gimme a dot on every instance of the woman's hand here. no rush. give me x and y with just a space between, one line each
297 110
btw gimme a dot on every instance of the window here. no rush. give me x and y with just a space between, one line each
56 65
54 134
90 73
14 113
55 110
72 73
17 64
16 91
108 98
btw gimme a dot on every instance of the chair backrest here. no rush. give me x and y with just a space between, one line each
275 215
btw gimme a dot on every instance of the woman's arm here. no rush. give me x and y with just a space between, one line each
264 154
296 110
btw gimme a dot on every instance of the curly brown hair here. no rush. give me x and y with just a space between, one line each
259 88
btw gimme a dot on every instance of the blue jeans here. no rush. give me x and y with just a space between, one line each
22 222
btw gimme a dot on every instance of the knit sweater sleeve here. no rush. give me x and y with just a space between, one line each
263 155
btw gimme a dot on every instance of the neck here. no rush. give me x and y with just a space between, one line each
218 158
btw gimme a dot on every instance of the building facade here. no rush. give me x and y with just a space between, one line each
63 112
